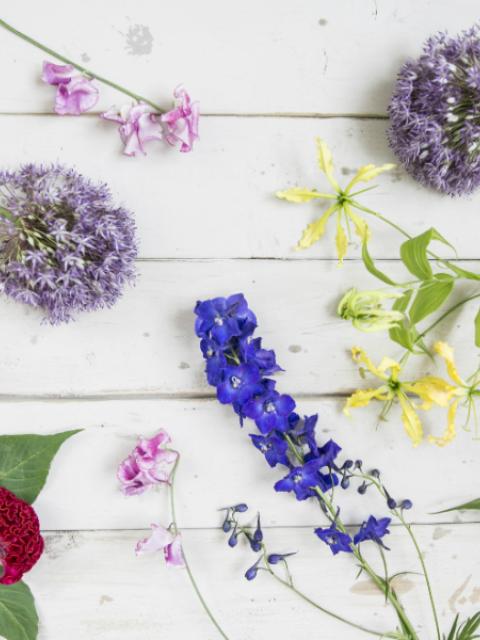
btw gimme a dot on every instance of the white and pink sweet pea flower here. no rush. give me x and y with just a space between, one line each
75 92
181 122
149 463
138 125
162 539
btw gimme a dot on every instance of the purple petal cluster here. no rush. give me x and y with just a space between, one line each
238 366
435 113
64 246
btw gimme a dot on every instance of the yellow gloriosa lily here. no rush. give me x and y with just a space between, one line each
343 202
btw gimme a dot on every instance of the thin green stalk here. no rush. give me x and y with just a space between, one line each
79 67
444 315
187 566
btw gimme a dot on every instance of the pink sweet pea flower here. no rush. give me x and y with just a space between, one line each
138 125
149 463
181 123
75 92
162 539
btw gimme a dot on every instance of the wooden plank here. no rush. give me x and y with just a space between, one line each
146 344
219 201
325 57
90 585
219 466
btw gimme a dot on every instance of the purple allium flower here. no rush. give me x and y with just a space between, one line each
435 113
65 246
75 92
138 124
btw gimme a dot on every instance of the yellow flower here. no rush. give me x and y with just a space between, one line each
462 390
391 389
342 202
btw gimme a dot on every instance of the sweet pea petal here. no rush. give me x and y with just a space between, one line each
411 421
451 431
156 541
445 351
316 229
57 73
173 553
76 97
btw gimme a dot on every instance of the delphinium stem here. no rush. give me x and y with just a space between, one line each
187 566
79 67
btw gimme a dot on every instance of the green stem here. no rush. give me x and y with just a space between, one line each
444 315
5 213
408 527
79 67
336 616
187 566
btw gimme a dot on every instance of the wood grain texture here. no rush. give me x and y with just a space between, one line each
219 202
219 466
90 585
146 344
274 56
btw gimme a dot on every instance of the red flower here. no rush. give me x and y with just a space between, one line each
21 544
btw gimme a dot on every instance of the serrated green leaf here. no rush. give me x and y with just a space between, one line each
25 461
473 505
414 253
477 329
18 616
430 296
370 266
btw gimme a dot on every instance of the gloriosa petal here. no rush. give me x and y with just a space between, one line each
316 229
361 227
432 390
367 173
360 357
411 421
299 195
325 162
341 241
445 351
363 397
451 431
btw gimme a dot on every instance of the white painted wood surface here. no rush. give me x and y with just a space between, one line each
208 225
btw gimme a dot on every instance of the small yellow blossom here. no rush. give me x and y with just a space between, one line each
342 205
429 389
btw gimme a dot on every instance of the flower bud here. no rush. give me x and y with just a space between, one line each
365 310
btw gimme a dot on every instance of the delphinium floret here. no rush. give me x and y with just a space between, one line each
435 113
65 247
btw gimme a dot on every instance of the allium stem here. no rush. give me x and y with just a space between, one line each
187 566
79 67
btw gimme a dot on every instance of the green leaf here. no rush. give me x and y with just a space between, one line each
477 329
370 266
403 335
430 296
414 253
25 461
473 505
463 273
18 616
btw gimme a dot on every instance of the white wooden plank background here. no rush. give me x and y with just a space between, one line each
208 225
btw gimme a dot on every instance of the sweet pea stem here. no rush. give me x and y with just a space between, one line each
187 566
79 67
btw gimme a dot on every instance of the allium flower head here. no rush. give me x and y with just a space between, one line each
435 113
64 246
21 544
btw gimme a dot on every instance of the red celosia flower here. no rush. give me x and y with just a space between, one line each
21 544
